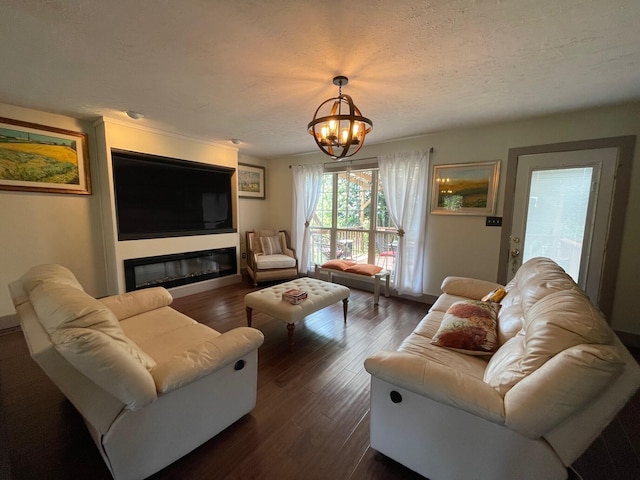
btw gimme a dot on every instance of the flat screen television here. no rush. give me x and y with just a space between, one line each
165 197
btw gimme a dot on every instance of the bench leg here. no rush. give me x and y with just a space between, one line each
376 290
290 329
249 313
345 307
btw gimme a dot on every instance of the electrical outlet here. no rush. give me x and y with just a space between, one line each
244 255
493 222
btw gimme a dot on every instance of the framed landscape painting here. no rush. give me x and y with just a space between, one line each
251 181
465 188
38 158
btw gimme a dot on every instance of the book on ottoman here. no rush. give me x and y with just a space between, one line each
294 296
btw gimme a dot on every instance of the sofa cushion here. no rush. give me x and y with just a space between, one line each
534 280
562 386
556 322
271 245
341 265
49 273
265 262
469 327
108 363
61 307
364 269
468 365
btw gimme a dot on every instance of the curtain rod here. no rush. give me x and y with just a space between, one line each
350 161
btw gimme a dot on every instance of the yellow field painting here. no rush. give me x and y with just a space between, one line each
60 153
38 162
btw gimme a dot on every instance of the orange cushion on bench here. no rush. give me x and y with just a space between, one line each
341 265
364 269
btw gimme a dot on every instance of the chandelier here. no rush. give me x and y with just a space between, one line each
338 127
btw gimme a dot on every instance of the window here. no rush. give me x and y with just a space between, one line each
351 220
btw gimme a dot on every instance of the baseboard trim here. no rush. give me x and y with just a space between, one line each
9 322
199 287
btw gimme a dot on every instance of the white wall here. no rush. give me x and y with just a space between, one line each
40 228
254 213
463 245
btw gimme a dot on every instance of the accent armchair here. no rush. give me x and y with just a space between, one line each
270 256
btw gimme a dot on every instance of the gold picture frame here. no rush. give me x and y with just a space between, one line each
251 181
38 158
465 188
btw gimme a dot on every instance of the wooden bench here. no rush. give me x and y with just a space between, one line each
377 279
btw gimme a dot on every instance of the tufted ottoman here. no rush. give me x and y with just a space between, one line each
320 294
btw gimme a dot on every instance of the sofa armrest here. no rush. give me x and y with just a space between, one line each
127 305
468 287
206 358
439 383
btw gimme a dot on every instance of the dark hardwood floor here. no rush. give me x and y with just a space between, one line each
312 415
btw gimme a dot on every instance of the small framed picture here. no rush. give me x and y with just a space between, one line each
465 188
251 181
37 158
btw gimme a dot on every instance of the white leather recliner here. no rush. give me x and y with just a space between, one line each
527 411
151 383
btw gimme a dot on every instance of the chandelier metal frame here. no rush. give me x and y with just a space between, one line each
342 128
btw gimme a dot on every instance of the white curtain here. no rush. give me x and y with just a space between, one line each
307 180
404 180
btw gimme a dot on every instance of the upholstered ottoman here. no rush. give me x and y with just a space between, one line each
320 294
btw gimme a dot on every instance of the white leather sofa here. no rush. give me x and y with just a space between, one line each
528 411
151 383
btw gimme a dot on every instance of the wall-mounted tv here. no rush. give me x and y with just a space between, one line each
166 197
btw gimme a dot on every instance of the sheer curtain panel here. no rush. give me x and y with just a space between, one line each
307 180
404 179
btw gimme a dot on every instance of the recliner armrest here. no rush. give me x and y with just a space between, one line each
468 287
206 358
439 383
127 305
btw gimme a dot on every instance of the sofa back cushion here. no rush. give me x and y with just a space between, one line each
556 322
108 363
535 279
49 273
88 335
563 385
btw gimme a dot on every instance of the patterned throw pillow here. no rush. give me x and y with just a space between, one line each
470 327
270 245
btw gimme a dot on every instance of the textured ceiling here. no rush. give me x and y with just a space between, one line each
257 70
